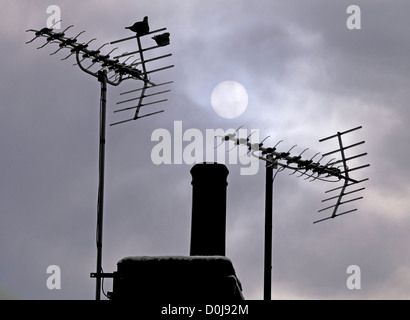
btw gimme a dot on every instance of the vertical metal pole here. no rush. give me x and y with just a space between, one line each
102 78
142 57
145 76
268 232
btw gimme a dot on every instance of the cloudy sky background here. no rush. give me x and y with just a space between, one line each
307 77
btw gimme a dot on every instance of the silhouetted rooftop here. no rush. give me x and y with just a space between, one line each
172 278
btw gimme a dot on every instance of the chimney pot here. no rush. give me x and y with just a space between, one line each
208 225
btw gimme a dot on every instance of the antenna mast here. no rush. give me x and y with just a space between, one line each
110 71
338 170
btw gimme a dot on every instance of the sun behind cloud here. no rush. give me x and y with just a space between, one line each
229 99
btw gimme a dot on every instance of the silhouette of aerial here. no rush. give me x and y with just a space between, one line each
162 39
121 71
141 27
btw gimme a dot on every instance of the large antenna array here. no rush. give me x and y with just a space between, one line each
332 171
313 170
113 71
117 68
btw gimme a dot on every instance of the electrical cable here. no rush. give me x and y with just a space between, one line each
102 285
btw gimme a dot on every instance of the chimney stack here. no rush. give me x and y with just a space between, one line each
208 225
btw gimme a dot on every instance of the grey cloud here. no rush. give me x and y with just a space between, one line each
307 76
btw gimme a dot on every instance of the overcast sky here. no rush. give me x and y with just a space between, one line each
307 76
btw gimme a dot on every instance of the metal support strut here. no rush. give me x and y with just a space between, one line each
102 78
268 232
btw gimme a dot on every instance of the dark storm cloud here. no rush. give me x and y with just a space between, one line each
307 76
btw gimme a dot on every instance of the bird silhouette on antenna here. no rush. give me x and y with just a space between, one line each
141 27
162 39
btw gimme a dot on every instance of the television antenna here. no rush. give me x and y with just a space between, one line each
329 171
112 71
